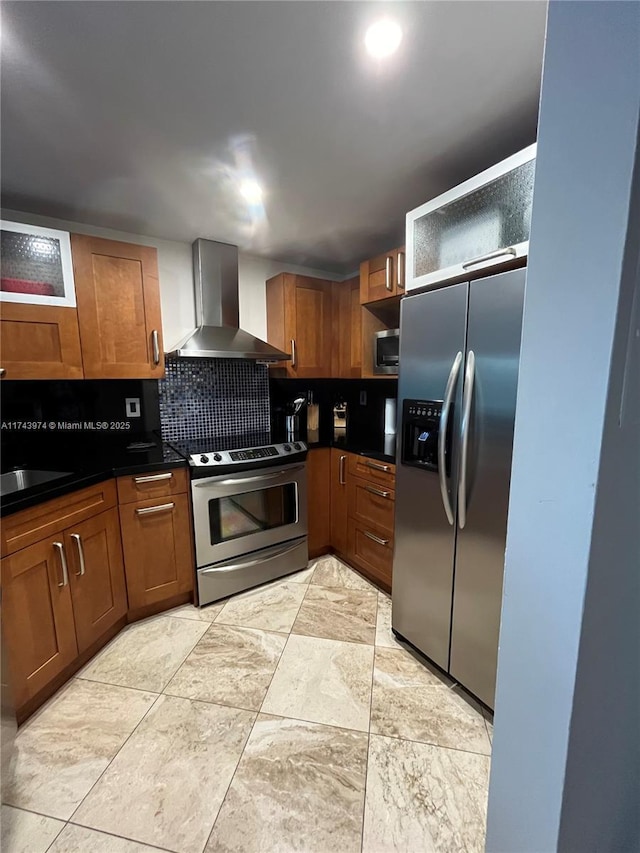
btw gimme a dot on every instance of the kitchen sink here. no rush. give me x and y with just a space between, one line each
26 478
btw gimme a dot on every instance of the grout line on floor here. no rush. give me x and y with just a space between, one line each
124 743
366 767
122 837
436 745
53 840
112 684
257 713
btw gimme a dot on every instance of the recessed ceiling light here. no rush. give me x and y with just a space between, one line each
251 191
383 38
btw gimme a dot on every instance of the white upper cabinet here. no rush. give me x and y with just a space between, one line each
480 224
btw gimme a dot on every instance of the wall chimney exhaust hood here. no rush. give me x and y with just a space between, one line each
215 274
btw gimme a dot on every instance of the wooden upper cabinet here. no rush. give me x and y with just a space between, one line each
299 316
37 615
39 342
346 348
118 299
383 276
96 575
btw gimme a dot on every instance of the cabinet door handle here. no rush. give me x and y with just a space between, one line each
375 538
2 371
293 353
377 467
156 346
378 492
387 273
153 478
78 541
400 270
341 478
489 257
63 561
147 510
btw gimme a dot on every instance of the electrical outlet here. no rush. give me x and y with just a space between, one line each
363 398
132 405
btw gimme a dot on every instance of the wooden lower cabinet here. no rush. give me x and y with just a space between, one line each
372 551
339 502
319 500
158 549
372 504
38 620
96 576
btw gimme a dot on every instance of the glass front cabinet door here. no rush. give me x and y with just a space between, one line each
480 224
36 266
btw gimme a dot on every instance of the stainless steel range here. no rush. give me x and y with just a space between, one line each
249 511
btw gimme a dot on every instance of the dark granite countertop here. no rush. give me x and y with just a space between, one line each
384 450
89 459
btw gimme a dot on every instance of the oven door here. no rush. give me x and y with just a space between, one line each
235 514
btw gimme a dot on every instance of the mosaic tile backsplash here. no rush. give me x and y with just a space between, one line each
201 397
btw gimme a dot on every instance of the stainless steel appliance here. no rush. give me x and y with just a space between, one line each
9 724
249 511
459 356
386 346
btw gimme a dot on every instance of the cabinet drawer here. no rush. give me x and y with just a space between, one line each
371 550
158 484
371 504
36 523
372 469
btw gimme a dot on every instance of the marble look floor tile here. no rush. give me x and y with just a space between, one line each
322 681
167 783
299 787
26 832
338 614
273 607
411 702
303 576
200 614
231 666
79 839
424 798
384 636
147 654
62 751
330 571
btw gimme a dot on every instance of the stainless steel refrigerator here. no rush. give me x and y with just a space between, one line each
459 355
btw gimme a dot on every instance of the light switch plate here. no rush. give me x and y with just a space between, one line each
132 405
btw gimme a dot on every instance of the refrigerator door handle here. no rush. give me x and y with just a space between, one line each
442 435
467 396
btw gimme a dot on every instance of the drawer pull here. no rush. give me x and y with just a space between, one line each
153 478
341 479
387 273
378 492
377 467
156 346
147 510
375 538
2 371
78 540
63 561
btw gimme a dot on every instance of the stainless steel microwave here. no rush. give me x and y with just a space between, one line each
386 349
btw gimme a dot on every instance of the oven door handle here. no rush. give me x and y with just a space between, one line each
238 480
245 563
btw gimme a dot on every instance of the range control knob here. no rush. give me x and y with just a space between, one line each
204 459
297 446
217 457
287 448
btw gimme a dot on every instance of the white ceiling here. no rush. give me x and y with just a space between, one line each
141 116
